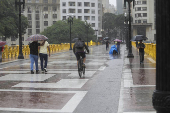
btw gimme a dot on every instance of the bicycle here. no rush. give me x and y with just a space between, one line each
81 68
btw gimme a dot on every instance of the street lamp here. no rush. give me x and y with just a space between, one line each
19 3
87 27
130 55
96 36
70 20
126 30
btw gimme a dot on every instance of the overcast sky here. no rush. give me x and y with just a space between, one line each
113 2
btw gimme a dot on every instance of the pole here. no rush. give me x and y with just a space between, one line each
87 35
130 55
20 56
161 95
70 36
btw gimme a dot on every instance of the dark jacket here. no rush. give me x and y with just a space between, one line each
34 48
75 50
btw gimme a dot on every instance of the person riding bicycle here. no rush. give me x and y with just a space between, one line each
78 50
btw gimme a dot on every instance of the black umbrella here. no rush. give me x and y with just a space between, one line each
75 39
139 37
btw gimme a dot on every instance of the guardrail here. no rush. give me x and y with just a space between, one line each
13 51
150 49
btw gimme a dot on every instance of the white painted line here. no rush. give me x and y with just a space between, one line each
69 107
87 74
153 61
127 71
14 71
102 68
26 77
142 112
143 68
64 83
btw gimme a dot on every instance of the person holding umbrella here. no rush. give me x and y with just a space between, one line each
34 50
141 47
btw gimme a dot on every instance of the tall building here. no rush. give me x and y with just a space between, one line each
144 19
105 6
85 10
120 7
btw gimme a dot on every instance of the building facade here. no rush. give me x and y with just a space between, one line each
144 19
120 7
85 10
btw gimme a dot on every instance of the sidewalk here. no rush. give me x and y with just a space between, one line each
138 84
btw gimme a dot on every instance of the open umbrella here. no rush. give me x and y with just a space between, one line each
117 40
139 37
36 37
106 38
75 39
2 43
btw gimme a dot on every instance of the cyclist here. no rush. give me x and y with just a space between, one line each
78 50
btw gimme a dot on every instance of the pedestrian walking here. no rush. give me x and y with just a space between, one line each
107 45
34 56
118 47
141 47
43 55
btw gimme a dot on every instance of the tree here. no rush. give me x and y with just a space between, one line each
9 19
60 31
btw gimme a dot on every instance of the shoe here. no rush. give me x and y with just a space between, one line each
45 70
32 72
42 71
37 71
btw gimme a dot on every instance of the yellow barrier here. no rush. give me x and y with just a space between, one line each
150 49
13 51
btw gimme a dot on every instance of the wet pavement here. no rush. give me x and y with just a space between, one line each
111 84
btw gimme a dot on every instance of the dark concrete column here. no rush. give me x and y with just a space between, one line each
161 96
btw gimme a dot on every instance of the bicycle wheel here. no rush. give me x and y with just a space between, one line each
80 67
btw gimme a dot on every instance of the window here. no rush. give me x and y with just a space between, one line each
80 17
144 8
45 23
29 24
139 15
99 5
29 17
92 11
45 1
86 4
138 2
37 24
86 18
71 3
144 14
46 16
136 21
143 2
144 21
79 3
54 1
93 18
37 11
138 8
71 10
45 8
54 8
139 21
29 31
86 10
37 31
64 10
37 1
54 15
29 9
92 4
22 38
37 17
64 17
13 38
79 11
29 1
54 22
93 24
64 3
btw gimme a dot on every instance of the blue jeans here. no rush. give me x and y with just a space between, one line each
34 58
43 57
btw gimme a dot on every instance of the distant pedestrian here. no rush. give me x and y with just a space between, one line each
107 45
34 56
141 47
43 55
118 47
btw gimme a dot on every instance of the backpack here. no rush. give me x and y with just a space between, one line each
79 44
